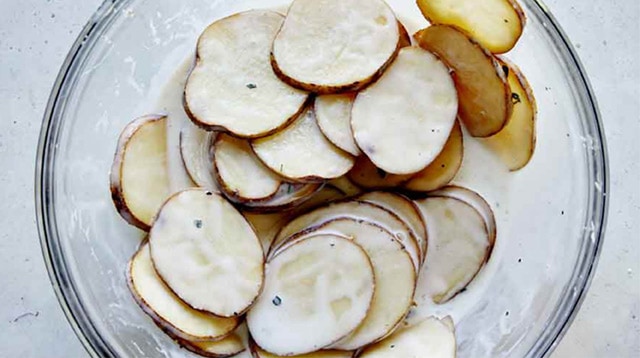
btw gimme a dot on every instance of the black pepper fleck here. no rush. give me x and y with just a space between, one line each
562 212
209 193
197 223
506 70
251 86
515 98
506 313
519 260
277 301
392 346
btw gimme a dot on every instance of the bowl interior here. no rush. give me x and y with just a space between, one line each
550 214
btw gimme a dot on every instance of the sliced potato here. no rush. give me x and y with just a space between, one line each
261 353
357 210
326 195
483 91
288 197
333 113
195 149
365 174
316 292
300 152
344 184
266 225
159 302
476 201
431 338
406 210
234 345
139 177
407 114
395 279
331 46
495 24
459 245
241 175
444 168
516 142
233 87
207 253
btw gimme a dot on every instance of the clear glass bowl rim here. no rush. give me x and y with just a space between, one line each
67 293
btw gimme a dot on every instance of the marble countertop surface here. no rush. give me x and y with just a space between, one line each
35 36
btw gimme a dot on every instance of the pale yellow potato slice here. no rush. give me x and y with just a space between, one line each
516 142
316 292
346 185
236 344
139 178
431 338
495 24
395 278
241 175
261 353
402 121
459 244
233 87
207 253
195 150
365 174
483 91
169 312
476 201
288 197
333 113
406 210
356 210
266 225
331 46
444 168
301 152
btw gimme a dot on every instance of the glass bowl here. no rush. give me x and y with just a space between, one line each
551 214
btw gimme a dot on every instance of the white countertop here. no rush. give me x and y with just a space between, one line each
36 35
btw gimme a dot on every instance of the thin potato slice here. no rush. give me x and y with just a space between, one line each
365 174
444 168
233 87
266 226
495 24
207 253
169 312
331 46
402 121
333 113
483 91
516 142
476 201
301 152
288 197
234 345
261 353
241 175
357 210
431 338
316 292
346 185
195 150
406 210
395 279
139 176
459 245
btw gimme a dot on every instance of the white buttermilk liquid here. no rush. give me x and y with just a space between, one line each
481 307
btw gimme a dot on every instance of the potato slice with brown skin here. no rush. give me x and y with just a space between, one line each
402 121
431 338
288 197
459 246
444 168
302 153
516 142
195 150
405 38
406 210
333 46
261 353
496 24
234 345
316 292
207 253
241 175
166 309
139 178
365 174
476 201
483 91
346 185
233 87
333 113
